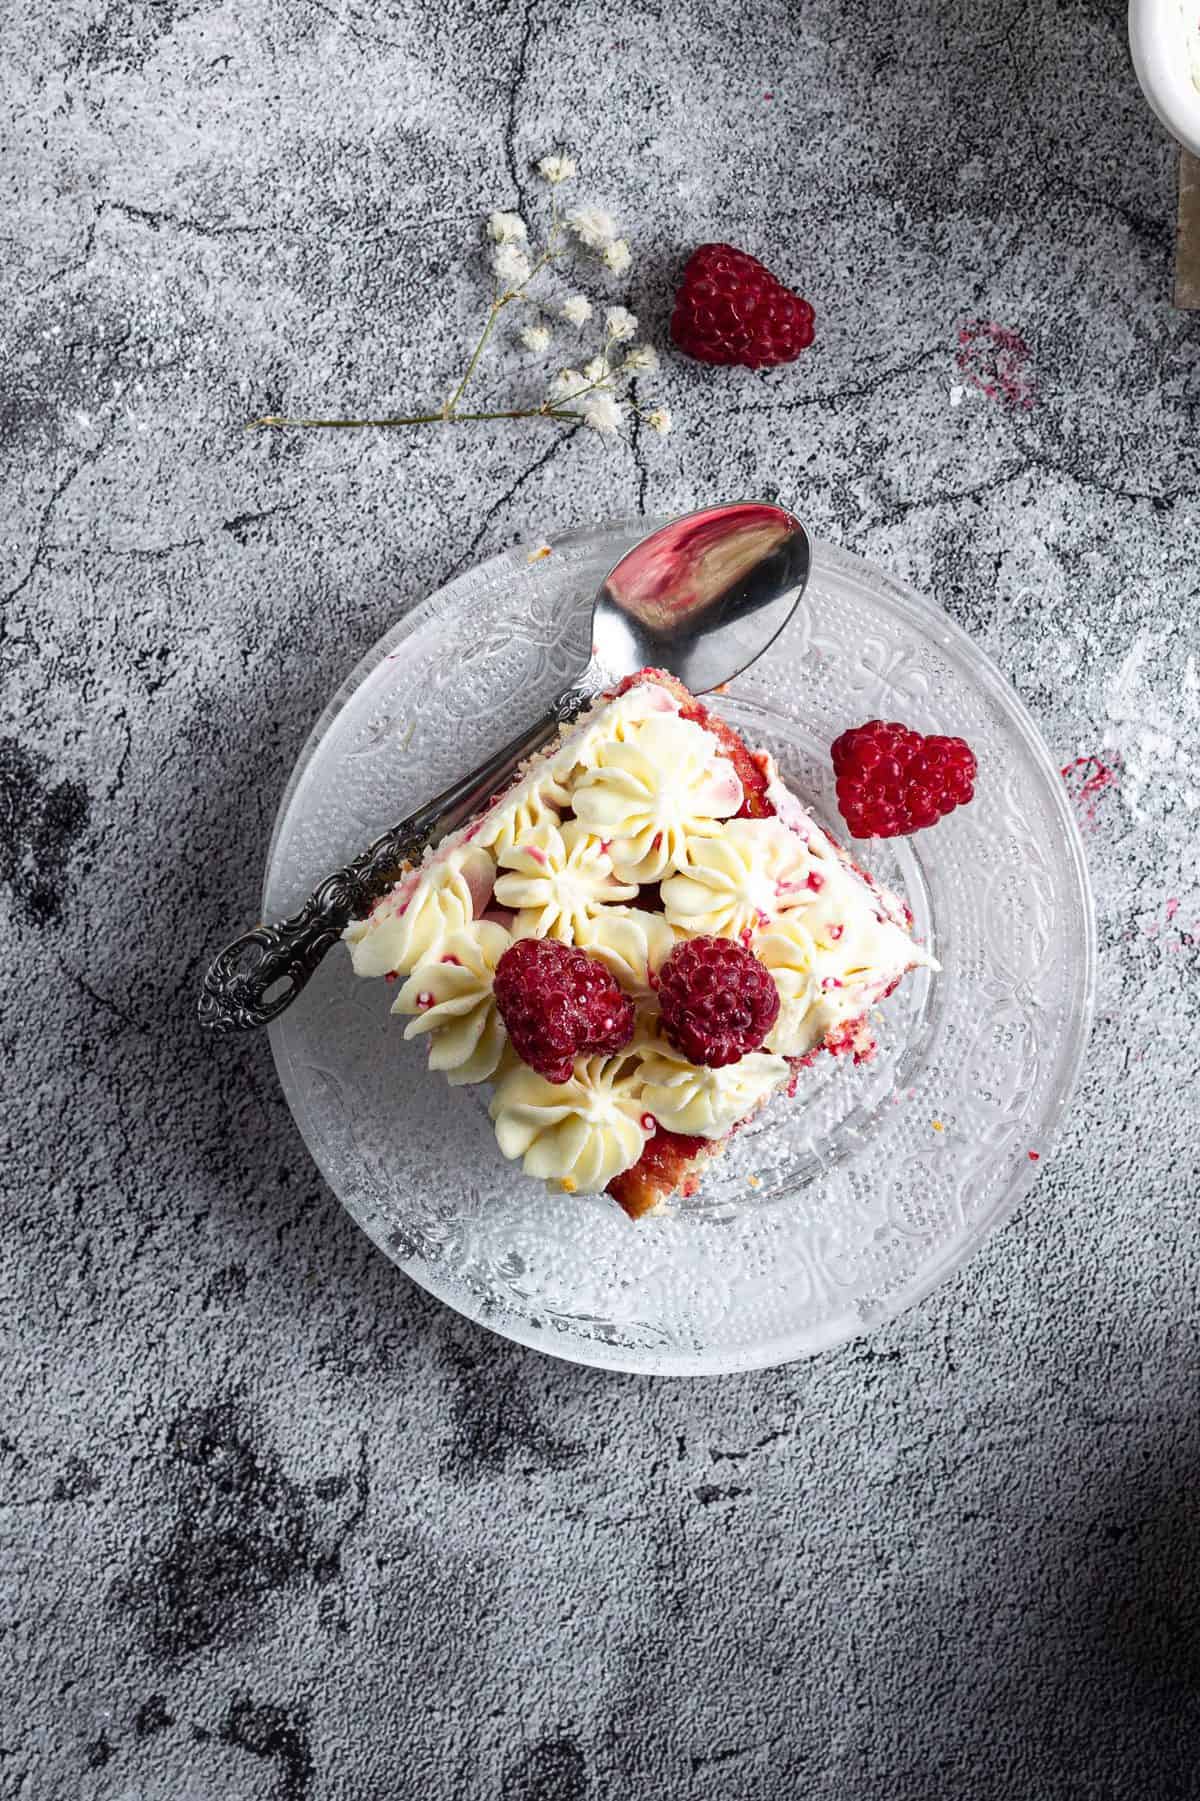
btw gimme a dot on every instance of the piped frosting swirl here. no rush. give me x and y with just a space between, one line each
412 922
738 882
647 793
705 1103
576 1135
556 881
451 1001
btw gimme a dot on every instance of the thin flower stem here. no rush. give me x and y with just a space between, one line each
469 371
604 381
498 306
274 421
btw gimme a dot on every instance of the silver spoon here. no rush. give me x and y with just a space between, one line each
701 597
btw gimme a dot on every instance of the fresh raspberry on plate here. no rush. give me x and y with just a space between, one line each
716 1000
731 309
891 780
558 1004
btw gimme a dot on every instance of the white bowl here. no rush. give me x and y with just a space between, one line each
1164 39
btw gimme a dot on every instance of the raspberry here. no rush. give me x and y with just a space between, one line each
558 1003
730 309
891 780
716 1000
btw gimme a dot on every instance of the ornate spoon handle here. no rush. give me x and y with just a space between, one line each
255 978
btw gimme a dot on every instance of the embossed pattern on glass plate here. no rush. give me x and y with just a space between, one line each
827 1215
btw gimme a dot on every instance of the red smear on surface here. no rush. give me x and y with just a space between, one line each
996 361
1088 778
1172 907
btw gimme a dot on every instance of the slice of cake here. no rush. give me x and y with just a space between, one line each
639 942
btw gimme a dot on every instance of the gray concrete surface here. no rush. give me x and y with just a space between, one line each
275 1525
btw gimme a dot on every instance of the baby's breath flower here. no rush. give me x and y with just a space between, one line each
511 265
592 226
507 228
641 360
603 414
616 256
600 394
557 168
620 324
566 384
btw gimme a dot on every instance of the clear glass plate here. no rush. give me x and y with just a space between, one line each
832 1212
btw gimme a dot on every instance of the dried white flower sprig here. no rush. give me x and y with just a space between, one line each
597 395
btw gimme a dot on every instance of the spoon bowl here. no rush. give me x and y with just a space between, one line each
703 596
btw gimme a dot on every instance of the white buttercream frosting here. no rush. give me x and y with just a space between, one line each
412 922
533 804
576 1135
788 951
451 1000
555 881
633 796
705 1103
852 934
859 964
648 792
737 882
632 945
606 722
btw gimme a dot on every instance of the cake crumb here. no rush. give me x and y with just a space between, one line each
754 1181
937 1125
539 555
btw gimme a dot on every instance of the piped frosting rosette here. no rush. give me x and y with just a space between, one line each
576 1135
412 922
701 1102
646 794
556 880
451 1001
736 884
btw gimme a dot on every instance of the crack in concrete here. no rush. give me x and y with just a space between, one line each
128 1020
118 780
531 469
1012 472
516 83
40 544
1153 231
833 397
158 220
639 456
75 266
148 553
350 24
236 527
155 219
